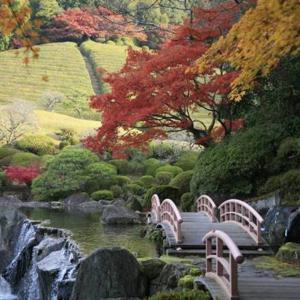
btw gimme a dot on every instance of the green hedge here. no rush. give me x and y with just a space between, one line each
147 180
187 160
181 295
182 181
126 167
187 202
135 189
163 178
121 180
168 168
163 192
25 159
37 144
102 195
151 165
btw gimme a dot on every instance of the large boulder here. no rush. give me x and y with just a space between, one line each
168 278
280 225
152 267
119 215
109 273
76 199
10 201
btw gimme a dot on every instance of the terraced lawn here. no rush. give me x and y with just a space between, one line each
63 65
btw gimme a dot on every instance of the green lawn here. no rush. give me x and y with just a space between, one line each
63 65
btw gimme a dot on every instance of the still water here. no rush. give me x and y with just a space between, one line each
90 233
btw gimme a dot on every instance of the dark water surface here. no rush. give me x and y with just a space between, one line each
90 234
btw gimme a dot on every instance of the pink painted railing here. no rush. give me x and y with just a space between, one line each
155 209
226 270
243 214
207 205
169 213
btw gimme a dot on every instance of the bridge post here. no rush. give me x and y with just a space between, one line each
219 251
233 277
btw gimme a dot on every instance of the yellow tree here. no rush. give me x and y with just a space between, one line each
255 45
15 19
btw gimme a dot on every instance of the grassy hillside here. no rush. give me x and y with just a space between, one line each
50 122
110 57
63 65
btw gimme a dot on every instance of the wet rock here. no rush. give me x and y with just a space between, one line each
64 289
48 245
119 215
152 267
168 278
109 273
10 201
104 202
76 199
91 206
118 202
36 204
278 226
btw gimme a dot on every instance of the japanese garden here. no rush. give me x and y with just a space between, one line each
149 149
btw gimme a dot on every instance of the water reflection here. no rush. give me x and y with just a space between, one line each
90 234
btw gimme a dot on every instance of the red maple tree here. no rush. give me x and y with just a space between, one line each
22 175
78 24
154 94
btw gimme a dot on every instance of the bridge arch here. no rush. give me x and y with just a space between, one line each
206 205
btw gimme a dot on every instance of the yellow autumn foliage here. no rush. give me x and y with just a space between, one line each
255 45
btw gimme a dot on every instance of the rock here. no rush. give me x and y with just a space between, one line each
10 201
168 278
76 199
36 204
293 228
91 206
278 225
119 215
109 273
289 252
134 204
119 202
104 202
48 245
64 289
152 267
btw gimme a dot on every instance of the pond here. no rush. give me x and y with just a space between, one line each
90 234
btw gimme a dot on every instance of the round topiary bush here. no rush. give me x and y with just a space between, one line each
147 180
163 178
25 159
151 165
187 160
182 181
126 167
163 192
7 151
101 176
135 189
37 144
168 168
121 180
186 282
102 195
187 202
117 191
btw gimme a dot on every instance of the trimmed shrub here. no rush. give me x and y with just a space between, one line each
46 159
7 151
102 195
182 181
151 166
121 180
237 166
195 272
288 184
162 150
168 168
117 191
163 192
3 181
37 144
186 282
147 181
126 167
65 174
25 159
163 178
289 252
187 160
181 295
135 189
187 202
100 175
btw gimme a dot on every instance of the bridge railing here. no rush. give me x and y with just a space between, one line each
237 211
205 204
155 209
169 213
224 271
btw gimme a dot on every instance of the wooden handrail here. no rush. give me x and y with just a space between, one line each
207 205
155 209
243 214
169 213
226 271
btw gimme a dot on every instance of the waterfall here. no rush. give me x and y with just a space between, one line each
26 234
5 290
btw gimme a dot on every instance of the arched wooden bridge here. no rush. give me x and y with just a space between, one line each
187 230
224 240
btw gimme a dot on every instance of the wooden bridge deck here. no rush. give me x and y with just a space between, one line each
255 284
196 225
